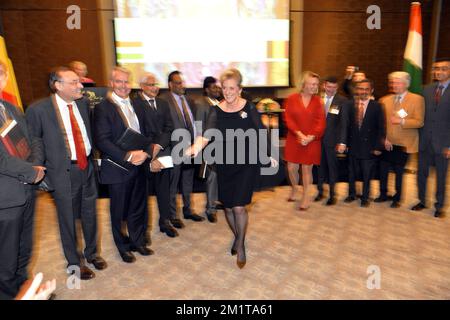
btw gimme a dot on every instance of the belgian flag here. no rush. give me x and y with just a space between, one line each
11 91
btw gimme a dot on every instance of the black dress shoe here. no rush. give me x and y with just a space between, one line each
381 199
194 217
331 201
438 213
84 272
395 204
212 217
350 199
418 207
177 223
98 262
144 251
220 206
169 230
319 197
127 257
364 203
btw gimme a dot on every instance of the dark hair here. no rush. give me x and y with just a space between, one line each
442 59
366 80
173 74
331 79
55 75
207 82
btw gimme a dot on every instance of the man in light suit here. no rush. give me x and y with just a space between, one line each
123 170
60 124
334 138
404 113
211 96
367 134
159 129
182 113
17 173
434 136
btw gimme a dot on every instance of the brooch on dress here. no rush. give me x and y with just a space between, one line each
243 114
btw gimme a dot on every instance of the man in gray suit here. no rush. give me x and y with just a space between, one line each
17 172
181 111
60 124
211 96
434 136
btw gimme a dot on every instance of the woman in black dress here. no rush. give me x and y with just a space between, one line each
237 172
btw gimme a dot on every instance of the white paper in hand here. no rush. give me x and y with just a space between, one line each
166 161
402 113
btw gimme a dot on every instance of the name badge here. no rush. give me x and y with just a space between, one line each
334 110
402 113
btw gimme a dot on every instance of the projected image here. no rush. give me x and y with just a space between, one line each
202 38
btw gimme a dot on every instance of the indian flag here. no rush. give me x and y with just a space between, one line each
413 51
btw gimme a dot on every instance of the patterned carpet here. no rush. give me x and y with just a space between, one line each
323 253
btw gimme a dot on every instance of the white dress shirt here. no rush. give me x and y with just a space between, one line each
65 115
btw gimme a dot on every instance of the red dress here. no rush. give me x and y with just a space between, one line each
310 121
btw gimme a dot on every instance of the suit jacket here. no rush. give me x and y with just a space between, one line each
363 141
436 128
337 122
159 125
46 126
405 135
109 125
175 113
15 172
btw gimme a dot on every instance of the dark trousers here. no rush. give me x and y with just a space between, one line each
80 204
427 158
159 183
16 235
395 159
328 168
182 175
128 202
212 192
365 167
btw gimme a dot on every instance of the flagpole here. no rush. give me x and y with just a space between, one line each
434 37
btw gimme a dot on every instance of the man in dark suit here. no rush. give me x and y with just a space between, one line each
181 111
159 129
123 170
60 124
211 96
434 136
336 112
366 140
17 173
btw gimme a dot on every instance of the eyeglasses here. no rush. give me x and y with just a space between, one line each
151 84
73 83
440 68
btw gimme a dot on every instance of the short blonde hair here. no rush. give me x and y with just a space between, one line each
119 69
401 75
305 75
231 73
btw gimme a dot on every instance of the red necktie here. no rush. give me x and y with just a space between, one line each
360 115
438 94
78 139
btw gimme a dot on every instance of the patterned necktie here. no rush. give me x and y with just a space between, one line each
3 116
187 118
360 115
438 94
132 121
80 149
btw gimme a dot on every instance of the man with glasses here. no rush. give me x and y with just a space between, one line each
434 136
60 125
159 129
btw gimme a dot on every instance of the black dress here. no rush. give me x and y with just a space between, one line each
236 180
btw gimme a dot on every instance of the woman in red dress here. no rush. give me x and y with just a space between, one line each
305 119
